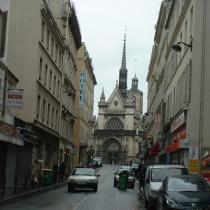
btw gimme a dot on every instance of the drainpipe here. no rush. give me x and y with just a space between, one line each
203 59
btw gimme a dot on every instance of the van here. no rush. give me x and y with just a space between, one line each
154 176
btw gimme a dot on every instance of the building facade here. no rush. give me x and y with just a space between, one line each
117 134
178 96
11 142
42 53
85 86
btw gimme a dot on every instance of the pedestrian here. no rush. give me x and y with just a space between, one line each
62 170
142 171
35 174
55 173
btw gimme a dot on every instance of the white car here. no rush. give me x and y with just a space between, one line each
83 178
155 174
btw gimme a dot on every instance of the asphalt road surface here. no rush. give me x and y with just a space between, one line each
107 197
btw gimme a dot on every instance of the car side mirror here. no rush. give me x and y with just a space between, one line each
98 175
114 173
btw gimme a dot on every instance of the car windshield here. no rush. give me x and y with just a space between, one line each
159 174
83 171
134 166
191 184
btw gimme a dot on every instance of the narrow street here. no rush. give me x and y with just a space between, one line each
107 197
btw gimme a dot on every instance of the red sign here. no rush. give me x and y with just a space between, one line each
154 150
179 135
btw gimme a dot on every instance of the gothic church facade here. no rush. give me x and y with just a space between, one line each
118 124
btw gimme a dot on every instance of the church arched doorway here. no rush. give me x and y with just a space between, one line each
112 150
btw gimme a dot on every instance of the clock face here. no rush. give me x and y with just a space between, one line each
115 103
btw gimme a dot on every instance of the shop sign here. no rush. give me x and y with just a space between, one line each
193 153
180 120
15 98
11 134
193 166
184 144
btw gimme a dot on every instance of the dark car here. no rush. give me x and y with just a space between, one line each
131 178
184 192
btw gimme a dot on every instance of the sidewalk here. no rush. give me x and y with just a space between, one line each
26 194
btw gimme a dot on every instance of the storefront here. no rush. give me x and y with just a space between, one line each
179 147
9 142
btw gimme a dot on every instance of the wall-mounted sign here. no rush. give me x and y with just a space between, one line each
15 98
180 120
82 88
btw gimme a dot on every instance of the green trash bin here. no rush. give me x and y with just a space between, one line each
123 181
46 177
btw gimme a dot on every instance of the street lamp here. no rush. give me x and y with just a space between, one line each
176 47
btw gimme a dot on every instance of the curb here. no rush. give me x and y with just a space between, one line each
8 200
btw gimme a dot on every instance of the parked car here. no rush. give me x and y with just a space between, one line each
83 178
131 178
155 174
98 160
184 192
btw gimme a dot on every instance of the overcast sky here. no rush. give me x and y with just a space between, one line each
103 24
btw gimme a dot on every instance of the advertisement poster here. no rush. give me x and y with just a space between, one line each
193 160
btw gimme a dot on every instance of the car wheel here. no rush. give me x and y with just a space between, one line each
70 189
95 189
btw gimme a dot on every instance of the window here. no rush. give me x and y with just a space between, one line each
191 22
43 30
48 114
114 124
52 46
50 80
52 118
43 111
3 23
48 38
54 84
56 53
40 69
56 119
58 88
59 58
38 106
45 77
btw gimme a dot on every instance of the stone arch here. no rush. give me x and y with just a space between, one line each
114 123
112 150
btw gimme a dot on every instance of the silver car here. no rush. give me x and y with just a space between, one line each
155 174
83 178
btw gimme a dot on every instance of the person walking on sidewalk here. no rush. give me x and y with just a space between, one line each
35 174
62 170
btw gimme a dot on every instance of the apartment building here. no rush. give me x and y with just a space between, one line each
41 52
178 97
85 92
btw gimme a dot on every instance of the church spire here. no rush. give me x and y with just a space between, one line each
102 98
123 65
123 71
